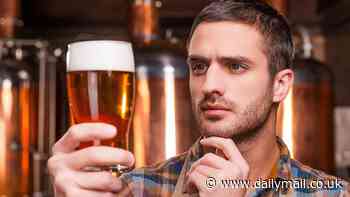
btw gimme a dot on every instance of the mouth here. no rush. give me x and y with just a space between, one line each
214 111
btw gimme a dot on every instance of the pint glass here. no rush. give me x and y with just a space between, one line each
100 83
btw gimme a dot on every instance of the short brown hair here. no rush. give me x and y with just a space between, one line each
272 25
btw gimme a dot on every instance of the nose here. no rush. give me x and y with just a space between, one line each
213 80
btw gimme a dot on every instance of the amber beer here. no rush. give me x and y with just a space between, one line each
100 84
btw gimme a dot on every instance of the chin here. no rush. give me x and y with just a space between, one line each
217 130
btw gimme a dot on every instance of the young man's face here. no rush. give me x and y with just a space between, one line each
230 84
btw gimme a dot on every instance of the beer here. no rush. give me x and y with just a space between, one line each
100 83
102 96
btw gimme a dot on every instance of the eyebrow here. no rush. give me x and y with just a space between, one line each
197 58
237 59
222 59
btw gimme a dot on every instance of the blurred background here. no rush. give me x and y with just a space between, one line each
314 120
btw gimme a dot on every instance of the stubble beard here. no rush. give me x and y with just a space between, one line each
245 125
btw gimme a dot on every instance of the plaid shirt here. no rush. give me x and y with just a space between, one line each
168 178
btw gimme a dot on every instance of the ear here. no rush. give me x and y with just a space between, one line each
283 82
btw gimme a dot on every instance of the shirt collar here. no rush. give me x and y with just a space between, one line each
283 165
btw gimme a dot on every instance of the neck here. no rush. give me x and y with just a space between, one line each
262 152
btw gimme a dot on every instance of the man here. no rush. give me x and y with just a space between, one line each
239 56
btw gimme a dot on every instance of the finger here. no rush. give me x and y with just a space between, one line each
211 160
195 180
226 145
74 192
99 156
101 181
206 171
82 133
230 150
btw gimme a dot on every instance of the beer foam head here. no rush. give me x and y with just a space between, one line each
100 55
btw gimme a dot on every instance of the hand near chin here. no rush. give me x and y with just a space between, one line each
230 167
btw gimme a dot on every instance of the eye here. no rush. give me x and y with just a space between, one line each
199 68
237 67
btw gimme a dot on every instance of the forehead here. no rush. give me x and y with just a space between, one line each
227 39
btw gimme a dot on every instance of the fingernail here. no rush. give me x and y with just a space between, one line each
110 128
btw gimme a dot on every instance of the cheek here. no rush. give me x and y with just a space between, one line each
195 85
248 89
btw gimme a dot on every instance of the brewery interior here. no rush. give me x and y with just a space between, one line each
314 120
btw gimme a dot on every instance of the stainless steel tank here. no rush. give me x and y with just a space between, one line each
9 20
27 119
163 124
17 122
